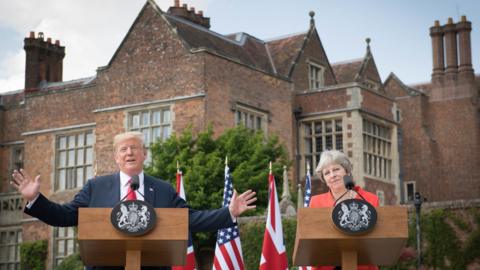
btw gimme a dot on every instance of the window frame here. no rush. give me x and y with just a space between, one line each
251 118
71 168
316 75
7 247
312 158
57 259
406 184
377 149
162 126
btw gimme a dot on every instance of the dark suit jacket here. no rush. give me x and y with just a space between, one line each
104 191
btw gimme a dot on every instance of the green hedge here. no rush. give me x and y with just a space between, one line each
442 247
72 262
33 255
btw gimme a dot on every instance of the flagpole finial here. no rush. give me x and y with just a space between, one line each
270 167
226 160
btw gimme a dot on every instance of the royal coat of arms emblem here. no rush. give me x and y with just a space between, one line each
133 217
354 216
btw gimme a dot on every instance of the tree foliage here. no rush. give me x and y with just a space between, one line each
202 161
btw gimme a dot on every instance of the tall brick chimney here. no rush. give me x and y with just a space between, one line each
436 33
465 70
183 12
450 30
44 60
452 39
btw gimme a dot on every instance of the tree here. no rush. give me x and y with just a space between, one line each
202 161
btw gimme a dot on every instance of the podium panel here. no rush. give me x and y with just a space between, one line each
318 242
102 245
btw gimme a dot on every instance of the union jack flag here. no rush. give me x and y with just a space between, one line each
274 255
228 250
190 259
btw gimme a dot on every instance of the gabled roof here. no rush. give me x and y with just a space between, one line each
347 71
284 51
408 90
242 47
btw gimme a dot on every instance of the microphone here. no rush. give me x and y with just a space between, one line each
135 182
134 185
348 182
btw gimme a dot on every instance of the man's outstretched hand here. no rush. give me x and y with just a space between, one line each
241 203
28 187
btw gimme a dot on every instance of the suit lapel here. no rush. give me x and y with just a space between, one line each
149 190
114 190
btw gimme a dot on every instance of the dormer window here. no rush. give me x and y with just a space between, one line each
315 76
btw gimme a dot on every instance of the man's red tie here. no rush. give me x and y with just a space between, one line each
131 195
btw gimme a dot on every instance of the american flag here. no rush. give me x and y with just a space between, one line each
274 255
228 251
306 203
190 259
308 189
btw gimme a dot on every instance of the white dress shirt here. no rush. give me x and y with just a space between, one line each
124 185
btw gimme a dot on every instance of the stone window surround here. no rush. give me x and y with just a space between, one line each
163 126
69 235
319 75
258 116
303 136
6 247
406 184
87 164
383 170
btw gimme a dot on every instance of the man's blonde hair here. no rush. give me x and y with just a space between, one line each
127 135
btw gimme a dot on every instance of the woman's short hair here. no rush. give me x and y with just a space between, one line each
125 136
330 157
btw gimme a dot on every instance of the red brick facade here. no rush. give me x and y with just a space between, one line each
204 79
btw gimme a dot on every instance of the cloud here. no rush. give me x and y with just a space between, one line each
90 30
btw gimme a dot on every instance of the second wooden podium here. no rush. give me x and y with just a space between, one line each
102 245
318 242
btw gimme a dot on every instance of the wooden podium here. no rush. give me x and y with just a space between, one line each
319 242
102 245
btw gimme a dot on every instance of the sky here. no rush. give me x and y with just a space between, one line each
91 30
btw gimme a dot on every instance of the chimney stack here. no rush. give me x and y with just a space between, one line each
449 42
465 70
451 50
438 57
44 60
189 14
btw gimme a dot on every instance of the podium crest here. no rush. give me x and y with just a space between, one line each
354 216
133 217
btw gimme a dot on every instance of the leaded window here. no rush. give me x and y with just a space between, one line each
155 124
10 240
74 162
318 136
65 243
377 150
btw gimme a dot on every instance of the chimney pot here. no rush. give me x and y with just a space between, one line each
184 6
57 42
450 20
437 23
464 18
32 34
40 35
200 12
49 40
192 9
177 3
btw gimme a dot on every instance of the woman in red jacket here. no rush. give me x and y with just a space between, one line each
332 167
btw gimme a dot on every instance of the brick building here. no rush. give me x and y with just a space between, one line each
171 71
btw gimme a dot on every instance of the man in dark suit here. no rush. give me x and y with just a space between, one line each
106 191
